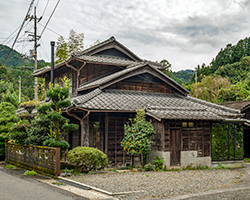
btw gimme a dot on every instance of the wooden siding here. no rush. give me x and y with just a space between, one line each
92 71
141 86
115 153
197 138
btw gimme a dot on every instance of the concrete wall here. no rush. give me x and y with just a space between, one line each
228 164
161 154
187 158
190 158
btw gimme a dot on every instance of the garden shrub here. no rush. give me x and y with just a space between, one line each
87 159
136 136
2 148
149 167
158 162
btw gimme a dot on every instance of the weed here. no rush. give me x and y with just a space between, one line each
58 183
247 160
113 170
147 175
221 166
67 170
10 166
30 173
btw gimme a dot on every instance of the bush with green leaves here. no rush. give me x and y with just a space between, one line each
52 111
158 162
57 143
87 159
137 134
8 118
2 148
149 167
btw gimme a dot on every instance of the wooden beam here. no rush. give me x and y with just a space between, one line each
70 66
84 133
78 74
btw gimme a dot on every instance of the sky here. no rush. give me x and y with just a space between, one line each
186 33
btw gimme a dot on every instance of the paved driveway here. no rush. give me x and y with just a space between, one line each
16 187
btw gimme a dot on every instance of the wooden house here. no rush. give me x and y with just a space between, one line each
110 82
244 107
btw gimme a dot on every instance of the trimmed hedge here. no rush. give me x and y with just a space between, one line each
87 159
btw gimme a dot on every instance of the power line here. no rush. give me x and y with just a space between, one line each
45 7
19 31
51 30
11 34
50 17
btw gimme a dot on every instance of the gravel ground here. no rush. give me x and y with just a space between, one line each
156 185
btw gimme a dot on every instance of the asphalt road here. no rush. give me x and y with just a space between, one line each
16 187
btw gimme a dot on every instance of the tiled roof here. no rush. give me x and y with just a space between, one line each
240 105
105 42
166 106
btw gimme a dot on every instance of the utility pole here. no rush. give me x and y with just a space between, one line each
35 52
20 88
196 69
35 39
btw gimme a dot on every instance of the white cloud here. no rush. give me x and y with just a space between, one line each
186 33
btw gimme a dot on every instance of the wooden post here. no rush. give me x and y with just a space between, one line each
82 132
163 137
57 162
106 133
116 142
6 143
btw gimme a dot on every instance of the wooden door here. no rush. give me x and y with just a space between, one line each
175 144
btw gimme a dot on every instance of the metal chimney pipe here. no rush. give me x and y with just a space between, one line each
52 43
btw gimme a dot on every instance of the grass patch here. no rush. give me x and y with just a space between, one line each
9 166
30 173
247 160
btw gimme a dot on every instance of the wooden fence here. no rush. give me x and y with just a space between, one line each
38 158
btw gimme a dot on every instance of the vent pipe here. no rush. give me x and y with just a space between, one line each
52 43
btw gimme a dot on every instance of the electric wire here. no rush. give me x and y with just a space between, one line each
52 30
45 7
19 31
50 18
11 35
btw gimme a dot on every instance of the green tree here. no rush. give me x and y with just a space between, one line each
8 118
11 98
52 111
137 134
167 66
233 93
64 48
209 88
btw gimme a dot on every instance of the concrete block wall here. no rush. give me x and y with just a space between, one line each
161 154
190 158
187 158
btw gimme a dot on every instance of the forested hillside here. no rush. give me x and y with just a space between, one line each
227 77
16 66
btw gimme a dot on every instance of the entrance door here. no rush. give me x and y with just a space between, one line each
175 145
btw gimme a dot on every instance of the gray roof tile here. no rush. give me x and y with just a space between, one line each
163 106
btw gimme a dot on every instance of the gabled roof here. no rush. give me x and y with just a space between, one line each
118 76
107 44
90 56
240 105
160 106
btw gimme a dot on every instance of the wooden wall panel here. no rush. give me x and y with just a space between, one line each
92 71
141 86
